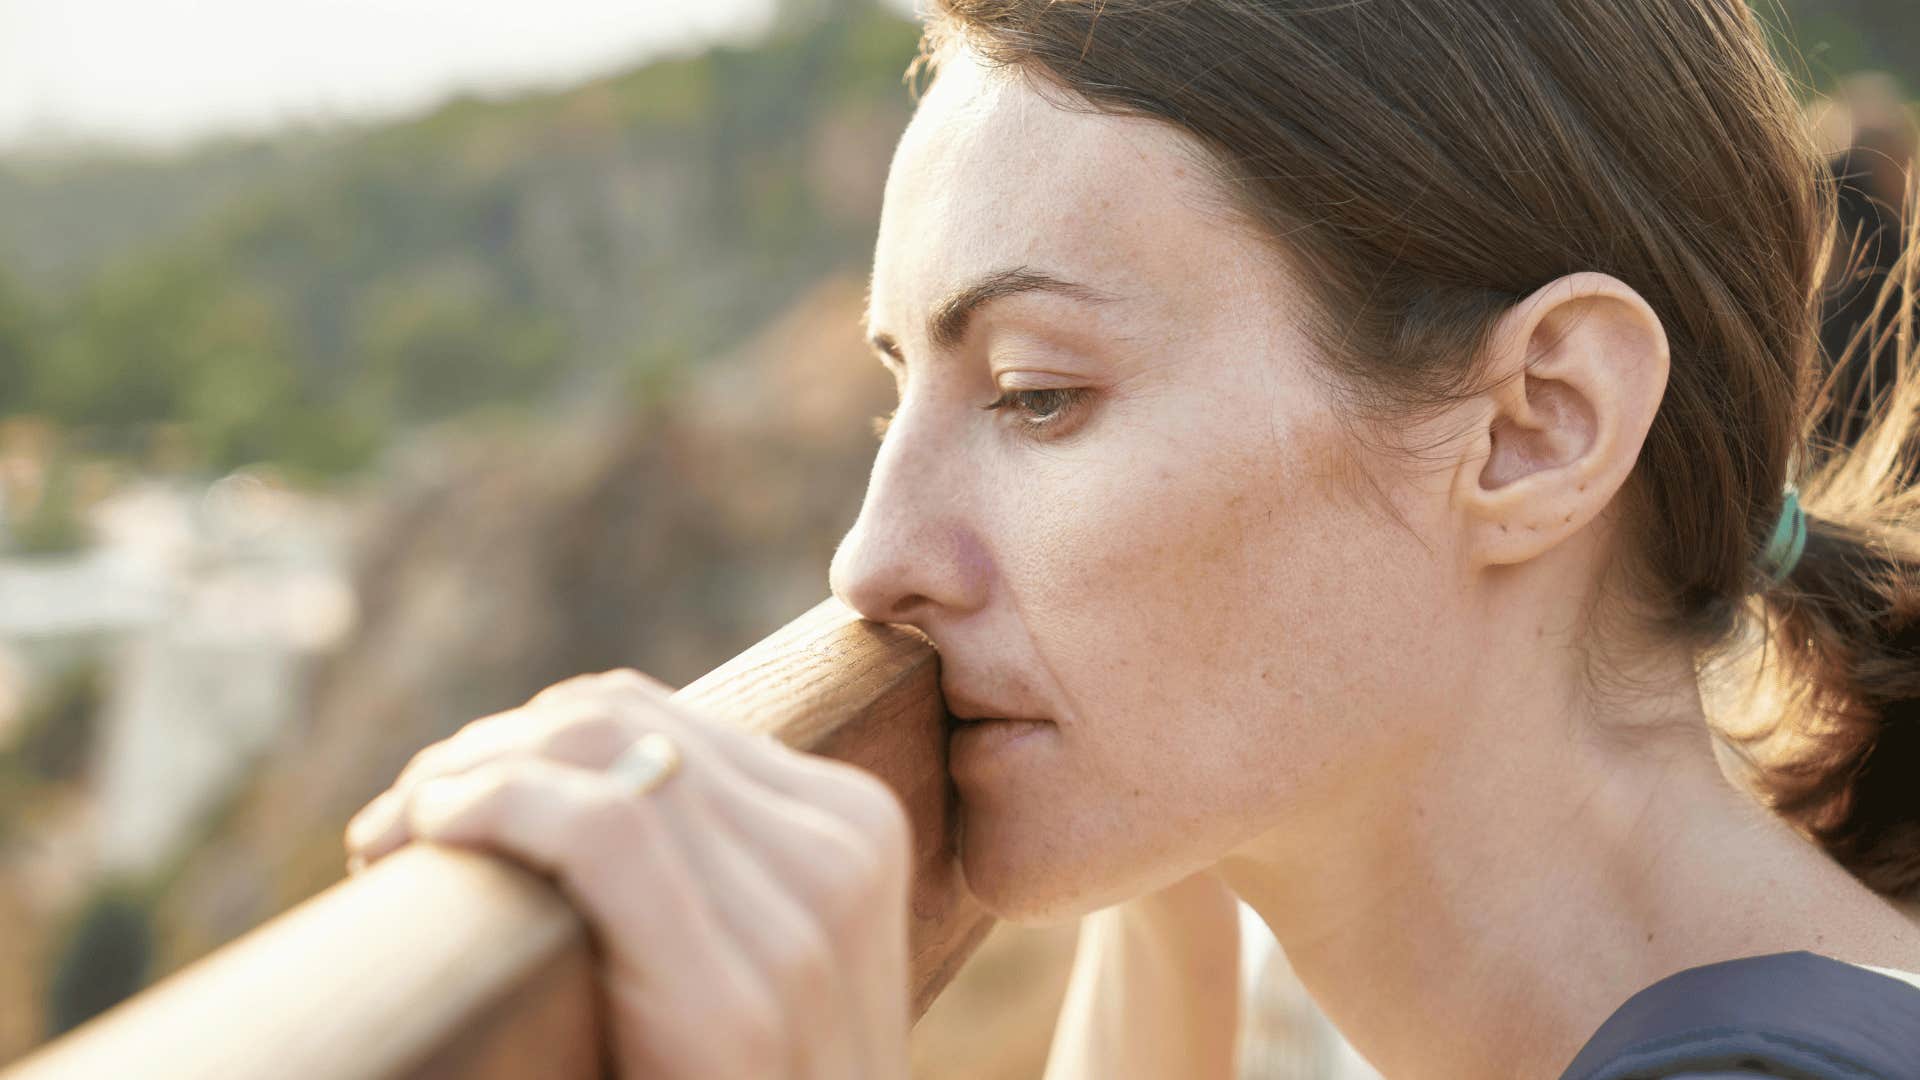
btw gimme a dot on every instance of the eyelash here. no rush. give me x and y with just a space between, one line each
1065 399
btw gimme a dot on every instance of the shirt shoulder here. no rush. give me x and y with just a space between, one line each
1910 978
1792 1014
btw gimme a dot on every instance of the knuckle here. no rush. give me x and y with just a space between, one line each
573 686
425 761
500 774
446 755
582 730
626 678
622 682
492 722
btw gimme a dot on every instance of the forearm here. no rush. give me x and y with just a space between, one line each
1155 989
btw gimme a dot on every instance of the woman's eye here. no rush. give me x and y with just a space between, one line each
1040 409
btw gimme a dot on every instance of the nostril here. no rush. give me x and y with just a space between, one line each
907 606
871 599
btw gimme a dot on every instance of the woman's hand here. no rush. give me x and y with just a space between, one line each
1155 988
751 911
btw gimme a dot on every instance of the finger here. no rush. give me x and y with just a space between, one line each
626 864
863 853
830 869
572 730
588 719
801 960
618 680
854 840
377 828
710 812
777 872
635 693
590 736
637 696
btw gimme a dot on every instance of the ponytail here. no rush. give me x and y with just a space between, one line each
1841 668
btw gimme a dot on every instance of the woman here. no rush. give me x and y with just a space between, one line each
1333 438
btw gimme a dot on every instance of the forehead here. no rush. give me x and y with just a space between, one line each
991 174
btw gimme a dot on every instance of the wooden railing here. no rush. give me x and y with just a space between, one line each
442 963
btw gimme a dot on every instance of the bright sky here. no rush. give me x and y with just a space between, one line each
160 71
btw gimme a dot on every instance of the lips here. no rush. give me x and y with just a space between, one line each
976 721
963 711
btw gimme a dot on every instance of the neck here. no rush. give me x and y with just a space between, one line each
1478 909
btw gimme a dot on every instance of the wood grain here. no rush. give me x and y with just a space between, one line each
444 963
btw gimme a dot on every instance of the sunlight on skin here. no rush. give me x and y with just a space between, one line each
1348 681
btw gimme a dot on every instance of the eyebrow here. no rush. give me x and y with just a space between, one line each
947 325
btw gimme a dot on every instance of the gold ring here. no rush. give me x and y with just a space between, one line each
649 762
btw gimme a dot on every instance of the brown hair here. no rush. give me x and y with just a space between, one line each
1432 162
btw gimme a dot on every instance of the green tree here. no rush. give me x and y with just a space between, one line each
444 342
189 339
492 255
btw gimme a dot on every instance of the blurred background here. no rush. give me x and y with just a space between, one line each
367 365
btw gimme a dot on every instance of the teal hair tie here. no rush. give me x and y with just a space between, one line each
1789 539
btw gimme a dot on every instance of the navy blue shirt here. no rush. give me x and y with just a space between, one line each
1790 1014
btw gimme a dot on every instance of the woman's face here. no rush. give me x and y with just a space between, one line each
1190 568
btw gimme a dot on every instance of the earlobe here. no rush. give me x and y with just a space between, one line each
1576 373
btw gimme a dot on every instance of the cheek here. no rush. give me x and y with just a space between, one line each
1195 610
1218 581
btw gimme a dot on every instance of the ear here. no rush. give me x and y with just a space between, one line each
1577 372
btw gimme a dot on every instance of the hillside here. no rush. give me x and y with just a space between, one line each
301 300
585 366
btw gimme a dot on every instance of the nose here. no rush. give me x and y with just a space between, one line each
911 552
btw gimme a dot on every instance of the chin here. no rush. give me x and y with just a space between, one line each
1025 876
